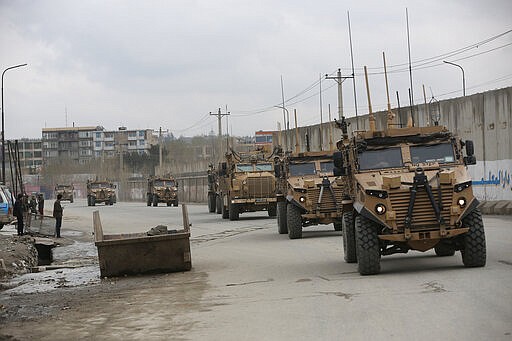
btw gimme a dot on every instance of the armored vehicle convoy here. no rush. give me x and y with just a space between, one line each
66 191
101 191
162 189
308 193
410 190
246 184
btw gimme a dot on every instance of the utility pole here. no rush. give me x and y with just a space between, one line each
339 79
160 151
219 115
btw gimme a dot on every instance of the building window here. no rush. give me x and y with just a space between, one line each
132 134
98 135
141 133
98 144
132 143
141 142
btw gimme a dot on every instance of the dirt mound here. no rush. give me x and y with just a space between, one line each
17 256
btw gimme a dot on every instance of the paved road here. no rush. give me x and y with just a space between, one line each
250 283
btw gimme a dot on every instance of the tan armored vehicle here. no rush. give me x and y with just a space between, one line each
66 191
246 184
101 191
308 194
162 189
410 190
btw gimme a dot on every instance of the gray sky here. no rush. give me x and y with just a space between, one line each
151 64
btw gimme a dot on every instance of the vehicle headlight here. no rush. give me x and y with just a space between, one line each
380 209
302 199
461 202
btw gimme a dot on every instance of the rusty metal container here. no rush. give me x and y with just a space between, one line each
138 253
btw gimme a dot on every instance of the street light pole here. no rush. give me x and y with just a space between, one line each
463 78
3 126
286 124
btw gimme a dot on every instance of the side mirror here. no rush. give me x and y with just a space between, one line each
470 148
469 160
338 159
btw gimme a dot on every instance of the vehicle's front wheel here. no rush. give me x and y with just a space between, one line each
211 202
218 204
272 210
294 222
282 228
234 212
367 246
225 210
149 200
349 238
474 253
155 200
175 204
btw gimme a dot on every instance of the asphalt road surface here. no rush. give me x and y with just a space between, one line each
250 283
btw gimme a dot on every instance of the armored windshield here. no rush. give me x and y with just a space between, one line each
244 168
298 169
326 167
440 153
99 184
63 187
382 158
163 183
263 167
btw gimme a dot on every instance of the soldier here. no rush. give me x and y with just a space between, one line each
57 213
40 204
18 213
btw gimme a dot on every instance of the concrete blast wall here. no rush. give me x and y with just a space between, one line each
485 118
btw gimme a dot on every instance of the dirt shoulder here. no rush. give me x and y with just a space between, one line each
17 256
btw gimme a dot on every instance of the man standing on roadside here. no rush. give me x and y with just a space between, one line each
40 204
18 213
57 213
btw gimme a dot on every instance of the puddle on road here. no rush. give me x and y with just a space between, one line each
54 279
82 259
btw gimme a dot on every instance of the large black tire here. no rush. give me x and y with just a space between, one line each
211 202
155 200
150 200
367 246
234 212
349 238
1 226
71 200
93 201
294 222
282 228
88 201
111 202
338 226
218 204
175 204
272 210
474 253
444 250
225 210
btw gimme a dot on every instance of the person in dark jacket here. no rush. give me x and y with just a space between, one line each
57 213
40 204
18 213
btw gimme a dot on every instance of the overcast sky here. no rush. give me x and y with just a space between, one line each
151 64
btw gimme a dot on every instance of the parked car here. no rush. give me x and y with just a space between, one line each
6 206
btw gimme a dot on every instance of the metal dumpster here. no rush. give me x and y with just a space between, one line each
137 253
